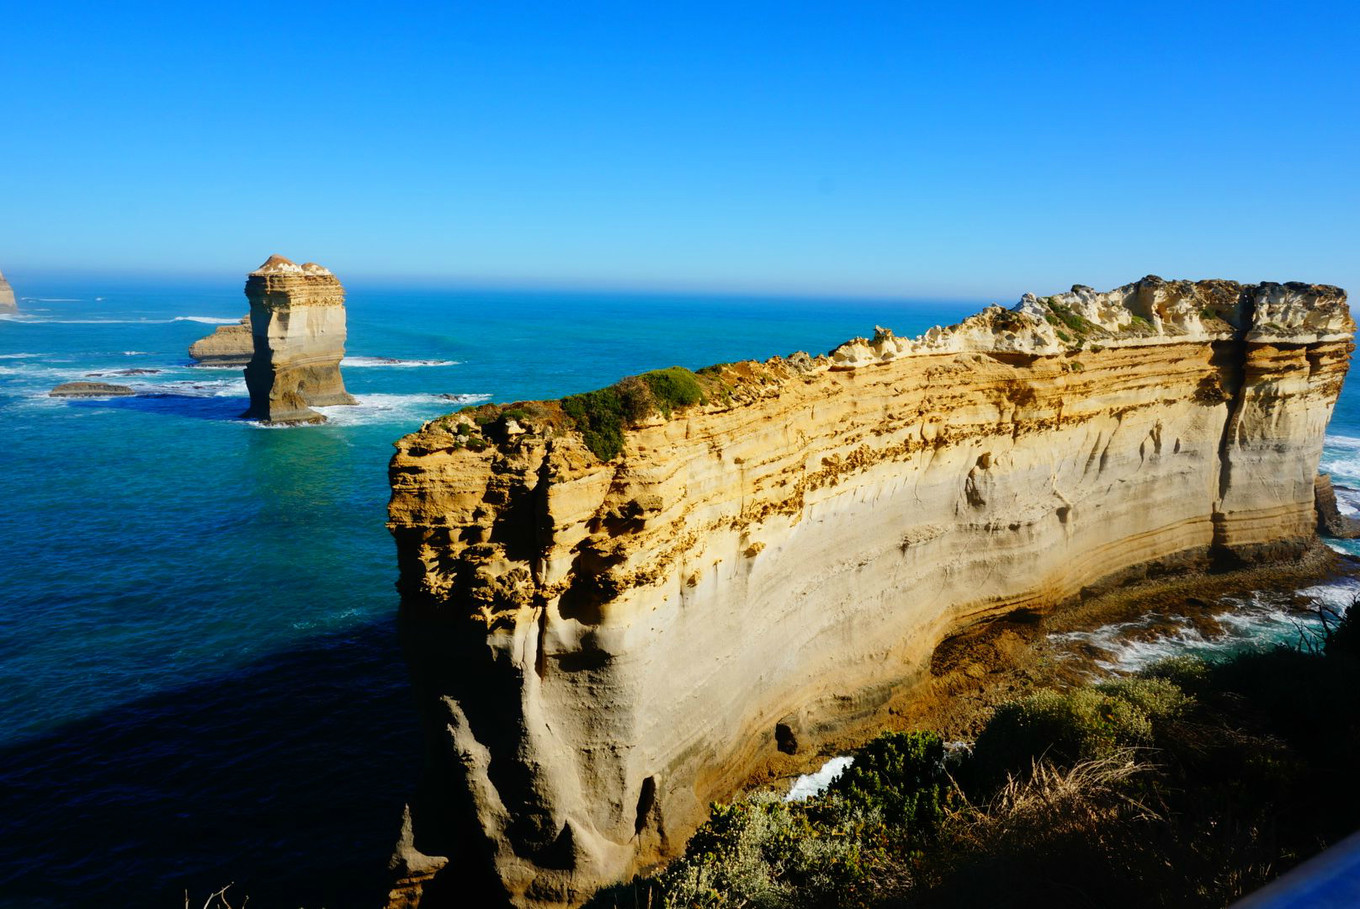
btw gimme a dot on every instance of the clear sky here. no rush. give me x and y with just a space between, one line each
941 149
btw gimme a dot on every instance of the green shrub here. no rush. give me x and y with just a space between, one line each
599 417
763 852
1072 726
673 388
902 775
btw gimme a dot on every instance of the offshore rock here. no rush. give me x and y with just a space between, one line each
7 301
90 390
228 345
601 647
297 322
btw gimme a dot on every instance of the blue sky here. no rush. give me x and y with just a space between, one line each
857 148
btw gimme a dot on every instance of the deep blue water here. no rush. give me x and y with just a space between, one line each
200 680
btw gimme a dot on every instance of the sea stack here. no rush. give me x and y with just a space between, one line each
7 301
229 345
297 321
612 603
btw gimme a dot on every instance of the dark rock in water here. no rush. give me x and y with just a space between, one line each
90 390
1331 522
123 372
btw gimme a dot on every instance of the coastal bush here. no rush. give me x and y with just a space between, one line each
673 388
901 775
599 417
1067 727
763 852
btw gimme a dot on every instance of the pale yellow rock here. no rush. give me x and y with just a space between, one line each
600 649
7 301
228 345
297 320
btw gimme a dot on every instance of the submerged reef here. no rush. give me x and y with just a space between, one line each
620 604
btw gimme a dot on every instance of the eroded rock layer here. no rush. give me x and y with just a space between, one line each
601 647
7 301
228 345
297 322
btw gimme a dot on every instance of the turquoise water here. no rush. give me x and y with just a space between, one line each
200 677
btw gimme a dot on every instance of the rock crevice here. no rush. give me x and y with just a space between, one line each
602 647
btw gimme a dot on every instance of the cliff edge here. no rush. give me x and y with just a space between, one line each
297 324
610 602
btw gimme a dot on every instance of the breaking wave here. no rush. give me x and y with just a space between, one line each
362 362
1257 621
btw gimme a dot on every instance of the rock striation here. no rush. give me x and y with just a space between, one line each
600 645
228 345
7 301
297 322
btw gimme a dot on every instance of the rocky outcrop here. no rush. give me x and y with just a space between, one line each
90 390
297 319
228 345
7 301
602 645
1331 521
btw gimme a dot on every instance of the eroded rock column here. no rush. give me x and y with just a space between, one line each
297 320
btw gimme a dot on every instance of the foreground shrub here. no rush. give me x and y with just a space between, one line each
1081 725
901 775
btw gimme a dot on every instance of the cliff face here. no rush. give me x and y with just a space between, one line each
600 648
228 345
297 319
7 301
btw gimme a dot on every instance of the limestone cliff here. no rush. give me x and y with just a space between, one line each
7 301
297 321
228 345
602 645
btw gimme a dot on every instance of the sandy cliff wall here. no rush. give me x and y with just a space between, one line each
7 301
297 319
602 647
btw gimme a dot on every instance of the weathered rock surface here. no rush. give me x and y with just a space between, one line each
90 390
228 345
7 301
601 648
297 319
1330 519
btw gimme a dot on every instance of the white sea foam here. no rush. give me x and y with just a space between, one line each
815 783
388 409
19 356
136 353
361 362
206 320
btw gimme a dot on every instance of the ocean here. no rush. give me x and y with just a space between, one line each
201 681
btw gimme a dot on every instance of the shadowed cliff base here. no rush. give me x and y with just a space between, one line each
248 778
